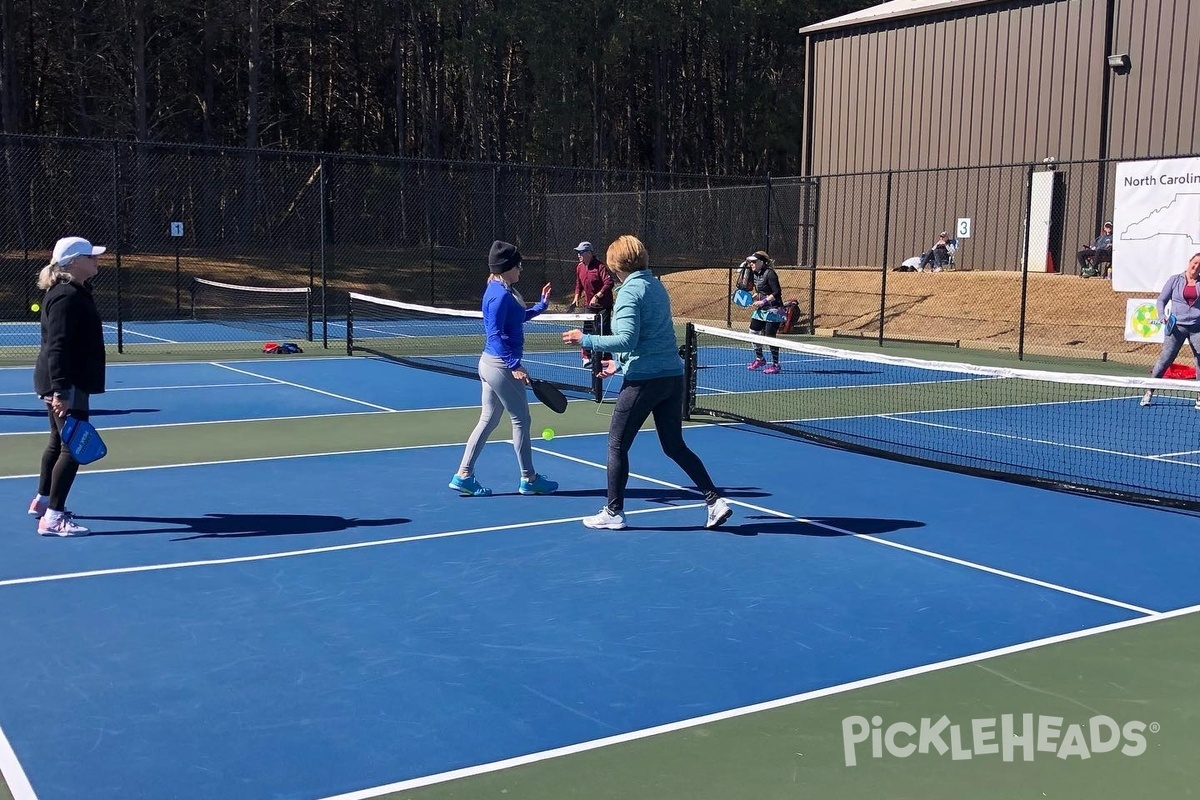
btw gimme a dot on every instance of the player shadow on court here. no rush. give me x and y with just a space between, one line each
95 412
237 526
755 524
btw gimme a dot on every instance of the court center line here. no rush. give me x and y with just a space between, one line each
335 548
877 540
301 386
733 713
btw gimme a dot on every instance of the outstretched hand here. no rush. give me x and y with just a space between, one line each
572 336
546 293
608 368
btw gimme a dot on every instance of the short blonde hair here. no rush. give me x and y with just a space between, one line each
627 254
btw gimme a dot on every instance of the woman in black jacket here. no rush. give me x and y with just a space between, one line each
69 369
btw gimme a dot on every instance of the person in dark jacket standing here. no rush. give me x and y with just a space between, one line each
593 289
69 369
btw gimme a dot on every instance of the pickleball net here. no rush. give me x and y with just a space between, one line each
451 340
1082 433
282 312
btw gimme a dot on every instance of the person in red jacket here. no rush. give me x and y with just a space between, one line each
593 289
69 369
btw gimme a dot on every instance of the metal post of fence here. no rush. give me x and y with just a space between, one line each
1025 262
767 217
729 301
815 241
321 255
887 232
645 232
116 195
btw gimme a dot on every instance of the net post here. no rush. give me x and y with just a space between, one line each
349 324
309 320
594 363
689 370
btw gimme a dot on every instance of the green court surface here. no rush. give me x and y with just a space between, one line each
1141 671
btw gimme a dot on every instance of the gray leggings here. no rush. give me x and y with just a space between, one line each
501 391
1172 344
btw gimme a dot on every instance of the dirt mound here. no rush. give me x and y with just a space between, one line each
1064 315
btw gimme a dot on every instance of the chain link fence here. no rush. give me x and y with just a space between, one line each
176 216
176 219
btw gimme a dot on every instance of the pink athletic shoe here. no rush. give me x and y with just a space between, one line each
63 526
771 370
756 363
37 508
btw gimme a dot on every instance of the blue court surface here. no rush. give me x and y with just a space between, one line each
310 626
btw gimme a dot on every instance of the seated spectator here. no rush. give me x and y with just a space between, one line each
1096 258
939 254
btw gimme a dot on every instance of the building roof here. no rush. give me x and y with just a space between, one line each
896 9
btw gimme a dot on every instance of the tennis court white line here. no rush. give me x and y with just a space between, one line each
827 388
733 713
998 435
153 388
301 386
273 360
130 332
14 774
221 462
878 540
272 419
336 548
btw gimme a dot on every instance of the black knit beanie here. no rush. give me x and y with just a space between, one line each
503 257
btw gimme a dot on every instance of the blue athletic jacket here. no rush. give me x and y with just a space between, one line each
504 320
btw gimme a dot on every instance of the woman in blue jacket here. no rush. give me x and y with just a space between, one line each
644 347
1179 296
503 376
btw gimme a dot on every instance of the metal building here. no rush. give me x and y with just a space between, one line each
948 105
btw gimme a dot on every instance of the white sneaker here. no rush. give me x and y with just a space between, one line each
718 512
605 520
1147 398
64 525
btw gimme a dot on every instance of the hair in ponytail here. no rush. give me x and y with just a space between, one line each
53 273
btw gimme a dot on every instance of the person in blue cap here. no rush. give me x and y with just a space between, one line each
503 377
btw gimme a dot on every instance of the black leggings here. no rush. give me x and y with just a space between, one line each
662 397
764 328
59 467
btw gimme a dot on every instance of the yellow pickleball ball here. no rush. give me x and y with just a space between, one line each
35 308
548 434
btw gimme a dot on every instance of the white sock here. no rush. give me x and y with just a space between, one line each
53 516
43 498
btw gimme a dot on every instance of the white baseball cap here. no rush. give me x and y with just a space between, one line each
71 247
583 247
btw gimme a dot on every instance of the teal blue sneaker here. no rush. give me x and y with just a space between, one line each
469 487
537 485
